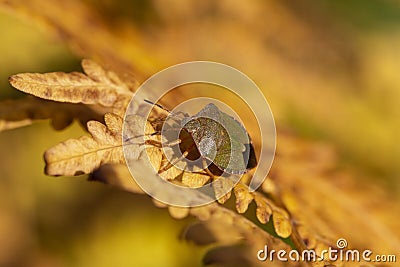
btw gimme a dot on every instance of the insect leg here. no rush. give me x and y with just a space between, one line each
184 155
207 170
166 130
174 115
158 105
154 143
160 144
170 164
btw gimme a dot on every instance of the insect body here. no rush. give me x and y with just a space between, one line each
218 139
221 139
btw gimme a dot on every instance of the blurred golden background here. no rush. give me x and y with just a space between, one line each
329 70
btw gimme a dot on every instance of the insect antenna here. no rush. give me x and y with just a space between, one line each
173 114
158 105
158 132
152 142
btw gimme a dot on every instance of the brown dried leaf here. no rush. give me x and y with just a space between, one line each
98 86
84 155
171 174
20 112
269 187
220 186
305 188
201 213
134 147
114 123
265 208
327 205
281 223
178 212
243 197
264 211
229 227
194 179
155 157
100 74
116 175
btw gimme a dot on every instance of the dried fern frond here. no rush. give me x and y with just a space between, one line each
96 86
86 154
16 113
293 200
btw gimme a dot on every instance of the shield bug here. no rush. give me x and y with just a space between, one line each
212 136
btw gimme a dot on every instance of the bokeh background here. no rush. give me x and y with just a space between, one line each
329 70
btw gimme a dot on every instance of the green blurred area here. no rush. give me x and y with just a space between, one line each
47 221
68 221
27 49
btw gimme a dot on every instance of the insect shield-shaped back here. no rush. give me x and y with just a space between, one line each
221 139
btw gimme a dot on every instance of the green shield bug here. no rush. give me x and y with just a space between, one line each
212 136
